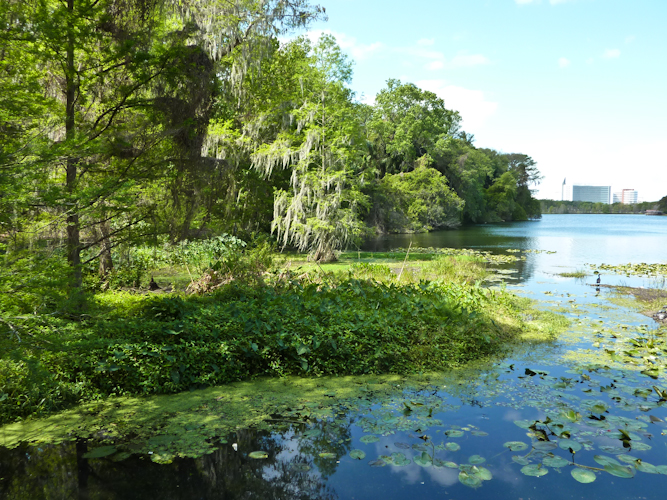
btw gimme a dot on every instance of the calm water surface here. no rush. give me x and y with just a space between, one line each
446 426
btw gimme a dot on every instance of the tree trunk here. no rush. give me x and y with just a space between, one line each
106 262
73 228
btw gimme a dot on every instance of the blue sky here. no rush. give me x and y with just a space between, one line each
579 85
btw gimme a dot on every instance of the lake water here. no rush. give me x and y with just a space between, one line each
513 430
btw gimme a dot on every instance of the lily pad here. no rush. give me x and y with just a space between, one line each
640 446
258 455
520 460
479 433
400 460
452 446
162 458
357 454
476 460
102 451
535 470
328 455
628 459
524 424
483 473
516 445
620 471
423 460
545 445
370 438
569 444
583 475
402 446
377 463
469 479
646 467
603 460
453 433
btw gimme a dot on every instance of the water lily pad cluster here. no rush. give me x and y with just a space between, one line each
637 269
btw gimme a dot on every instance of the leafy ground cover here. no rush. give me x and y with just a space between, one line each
362 320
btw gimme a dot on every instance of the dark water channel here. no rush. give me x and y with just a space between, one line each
511 430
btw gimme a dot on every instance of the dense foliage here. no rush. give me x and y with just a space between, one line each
138 344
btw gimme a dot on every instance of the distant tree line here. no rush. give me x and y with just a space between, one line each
585 207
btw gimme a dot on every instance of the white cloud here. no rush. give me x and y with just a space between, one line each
629 38
563 62
556 2
433 65
472 104
611 54
426 41
525 2
350 44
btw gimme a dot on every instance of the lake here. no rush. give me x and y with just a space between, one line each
575 418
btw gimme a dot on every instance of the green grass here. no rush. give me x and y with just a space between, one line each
574 274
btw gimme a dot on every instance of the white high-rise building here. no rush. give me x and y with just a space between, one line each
593 194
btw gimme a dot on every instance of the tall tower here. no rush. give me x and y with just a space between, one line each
562 190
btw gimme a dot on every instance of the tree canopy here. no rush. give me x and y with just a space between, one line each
126 121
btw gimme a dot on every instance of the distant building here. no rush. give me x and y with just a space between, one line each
594 194
629 197
626 196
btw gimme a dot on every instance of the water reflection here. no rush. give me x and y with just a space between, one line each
293 470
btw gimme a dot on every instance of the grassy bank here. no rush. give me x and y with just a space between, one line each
360 319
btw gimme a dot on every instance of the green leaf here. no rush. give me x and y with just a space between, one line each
648 468
620 471
569 444
469 479
423 460
603 460
476 460
516 445
258 455
452 446
535 470
327 455
583 475
357 454
369 439
400 460
545 445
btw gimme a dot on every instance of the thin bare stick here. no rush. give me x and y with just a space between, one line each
404 261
